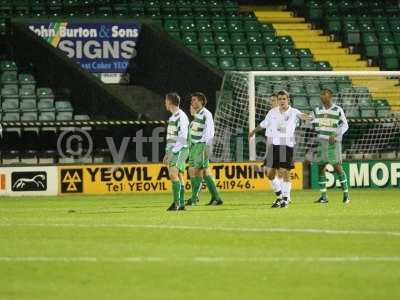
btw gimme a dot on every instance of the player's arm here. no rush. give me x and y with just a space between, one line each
343 125
208 133
263 125
304 116
182 135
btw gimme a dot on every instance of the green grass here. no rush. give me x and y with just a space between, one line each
129 247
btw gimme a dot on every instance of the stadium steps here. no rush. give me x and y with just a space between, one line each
304 36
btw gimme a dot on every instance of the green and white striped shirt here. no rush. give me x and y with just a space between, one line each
202 127
177 131
330 121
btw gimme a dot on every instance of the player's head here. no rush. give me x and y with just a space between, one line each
326 97
283 99
172 101
273 99
198 100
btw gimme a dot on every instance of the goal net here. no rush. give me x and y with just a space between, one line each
371 101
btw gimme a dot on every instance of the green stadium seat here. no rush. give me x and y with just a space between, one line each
187 25
46 105
390 63
47 116
219 26
238 38
45 93
275 64
367 26
243 64
9 92
64 116
287 52
235 26
11 116
304 53
267 28
323 66
352 34
227 63
224 50
189 38
382 26
333 24
257 51
297 89
221 38
203 26
313 89
63 106
388 51
171 25
9 105
27 92
352 112
259 63
254 38
9 78
368 112
26 80
28 104
206 38
251 26
300 102
270 40
241 51
385 38
272 52
291 64
81 117
29 116
314 10
8 65
307 64
208 50
285 40
315 101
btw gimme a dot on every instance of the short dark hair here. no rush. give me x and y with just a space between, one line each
174 98
283 93
201 97
326 91
274 94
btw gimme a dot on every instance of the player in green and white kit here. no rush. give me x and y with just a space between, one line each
201 136
330 123
177 150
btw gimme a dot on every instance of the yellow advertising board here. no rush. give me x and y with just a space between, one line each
153 178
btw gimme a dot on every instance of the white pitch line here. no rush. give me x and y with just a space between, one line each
199 259
209 228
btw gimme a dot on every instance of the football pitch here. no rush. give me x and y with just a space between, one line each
129 247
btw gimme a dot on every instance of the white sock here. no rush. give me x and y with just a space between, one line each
277 188
286 187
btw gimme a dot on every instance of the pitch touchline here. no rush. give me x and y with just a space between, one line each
208 228
199 259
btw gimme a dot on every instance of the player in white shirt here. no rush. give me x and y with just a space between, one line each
280 124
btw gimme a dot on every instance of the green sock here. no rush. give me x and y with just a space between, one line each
211 187
343 182
182 196
322 185
196 186
176 187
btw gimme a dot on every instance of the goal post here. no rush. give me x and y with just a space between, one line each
371 97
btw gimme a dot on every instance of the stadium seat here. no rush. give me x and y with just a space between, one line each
235 26
81 117
238 38
224 50
64 116
8 65
243 64
9 105
219 26
288 52
189 38
206 38
368 112
315 101
307 64
44 93
9 92
47 116
208 50
272 52
227 63
63 106
28 104
240 51
29 116
259 63
291 64
300 102
323 66
221 38
254 38
11 116
46 105
257 51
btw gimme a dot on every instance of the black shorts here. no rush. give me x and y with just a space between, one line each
279 157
